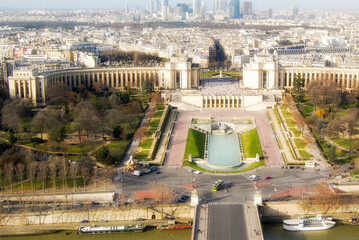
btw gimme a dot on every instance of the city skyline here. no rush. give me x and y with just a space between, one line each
121 4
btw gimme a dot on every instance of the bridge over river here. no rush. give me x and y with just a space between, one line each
227 221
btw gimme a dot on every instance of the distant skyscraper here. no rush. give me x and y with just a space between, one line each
235 4
196 7
164 13
295 11
247 8
157 5
269 13
152 6
203 10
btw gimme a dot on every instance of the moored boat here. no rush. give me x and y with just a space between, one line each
352 220
308 223
111 229
174 226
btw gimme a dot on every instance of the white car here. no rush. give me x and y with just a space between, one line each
197 172
77 204
190 170
253 177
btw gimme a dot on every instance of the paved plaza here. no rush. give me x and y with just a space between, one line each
178 144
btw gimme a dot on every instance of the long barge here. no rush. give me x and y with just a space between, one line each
111 229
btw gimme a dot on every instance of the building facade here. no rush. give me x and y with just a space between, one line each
264 72
33 85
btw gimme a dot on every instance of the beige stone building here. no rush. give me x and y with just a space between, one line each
264 72
179 73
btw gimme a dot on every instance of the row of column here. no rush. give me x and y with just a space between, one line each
22 88
114 79
221 102
344 79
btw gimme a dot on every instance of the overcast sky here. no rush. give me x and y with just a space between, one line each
120 4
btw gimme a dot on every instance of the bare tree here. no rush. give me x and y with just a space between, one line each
20 174
43 173
108 175
63 165
53 167
31 169
73 173
9 174
85 167
162 194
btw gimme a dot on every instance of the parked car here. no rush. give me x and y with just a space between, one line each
102 221
95 203
197 172
84 221
190 170
185 197
268 177
77 204
105 204
153 168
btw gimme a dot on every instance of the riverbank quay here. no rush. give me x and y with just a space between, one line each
51 220
277 211
26 230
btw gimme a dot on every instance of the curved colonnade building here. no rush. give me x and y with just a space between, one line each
176 74
264 72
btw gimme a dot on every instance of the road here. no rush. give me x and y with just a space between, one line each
226 222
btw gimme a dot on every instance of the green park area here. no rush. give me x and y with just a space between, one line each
195 144
195 147
251 144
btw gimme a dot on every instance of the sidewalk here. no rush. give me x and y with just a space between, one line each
200 230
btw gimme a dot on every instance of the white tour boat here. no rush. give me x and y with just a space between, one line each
308 223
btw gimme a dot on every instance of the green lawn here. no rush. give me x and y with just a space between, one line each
146 143
251 167
195 144
286 114
299 143
305 154
142 155
151 131
251 144
68 148
295 131
306 109
154 123
291 123
118 148
160 107
158 114
48 184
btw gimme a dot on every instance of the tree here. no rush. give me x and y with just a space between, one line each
63 166
332 156
13 114
9 174
147 86
102 154
20 174
108 174
118 132
298 86
43 173
85 167
86 118
39 122
31 169
53 173
73 172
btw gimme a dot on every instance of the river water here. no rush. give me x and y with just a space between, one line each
274 231
149 234
271 231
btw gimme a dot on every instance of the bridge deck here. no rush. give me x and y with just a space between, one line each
227 221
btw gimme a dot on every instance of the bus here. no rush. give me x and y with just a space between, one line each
217 185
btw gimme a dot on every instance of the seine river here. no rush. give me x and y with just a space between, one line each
148 235
271 231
